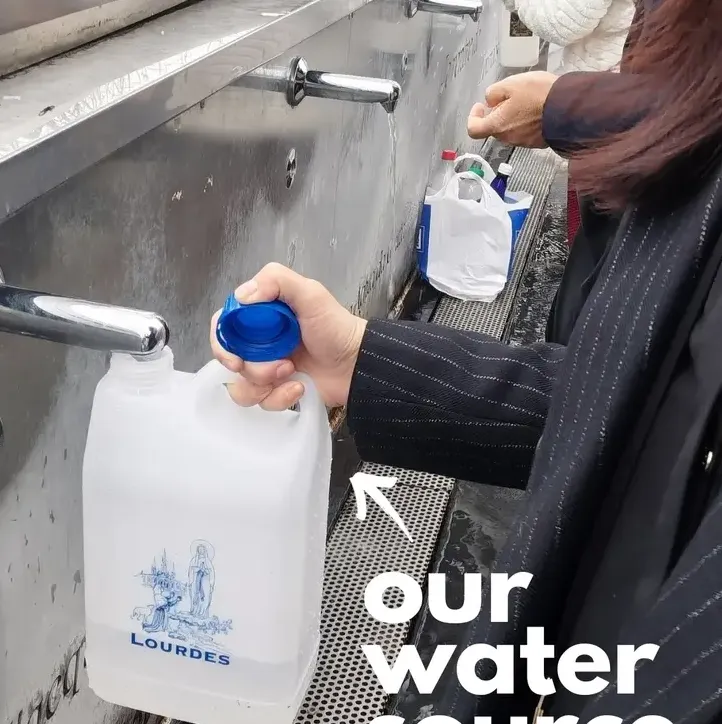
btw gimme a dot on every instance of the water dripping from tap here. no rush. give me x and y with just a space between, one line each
392 172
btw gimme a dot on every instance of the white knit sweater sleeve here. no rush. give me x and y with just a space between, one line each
560 21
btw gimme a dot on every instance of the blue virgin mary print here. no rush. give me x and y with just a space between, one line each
201 580
182 609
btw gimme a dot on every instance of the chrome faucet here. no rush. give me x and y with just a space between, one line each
302 82
79 323
472 8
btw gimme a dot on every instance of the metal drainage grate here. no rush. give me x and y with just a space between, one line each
345 689
533 172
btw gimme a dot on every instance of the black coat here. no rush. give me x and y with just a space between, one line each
585 260
466 406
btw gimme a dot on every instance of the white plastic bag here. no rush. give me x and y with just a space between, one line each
464 246
517 203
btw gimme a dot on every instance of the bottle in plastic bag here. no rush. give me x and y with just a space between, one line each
204 535
443 174
468 189
501 180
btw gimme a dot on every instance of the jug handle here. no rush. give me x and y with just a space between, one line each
310 405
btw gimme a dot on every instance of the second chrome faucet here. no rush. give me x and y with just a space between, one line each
303 82
472 8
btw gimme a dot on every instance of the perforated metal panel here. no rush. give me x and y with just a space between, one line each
345 689
533 172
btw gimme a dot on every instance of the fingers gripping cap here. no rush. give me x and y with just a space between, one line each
262 332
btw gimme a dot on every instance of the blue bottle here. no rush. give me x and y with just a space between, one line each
502 178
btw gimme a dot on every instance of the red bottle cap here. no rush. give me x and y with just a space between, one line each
448 155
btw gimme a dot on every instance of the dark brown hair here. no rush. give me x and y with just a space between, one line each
674 86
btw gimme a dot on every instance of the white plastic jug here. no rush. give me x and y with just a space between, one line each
204 534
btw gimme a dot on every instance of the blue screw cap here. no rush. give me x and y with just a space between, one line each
262 332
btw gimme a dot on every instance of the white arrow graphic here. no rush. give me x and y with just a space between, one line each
363 483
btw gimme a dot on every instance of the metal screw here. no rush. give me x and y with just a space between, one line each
291 167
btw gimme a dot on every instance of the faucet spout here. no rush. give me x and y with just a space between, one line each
79 323
472 8
303 82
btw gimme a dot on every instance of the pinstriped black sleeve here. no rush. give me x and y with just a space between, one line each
453 403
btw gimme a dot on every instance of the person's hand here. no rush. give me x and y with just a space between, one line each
331 339
513 110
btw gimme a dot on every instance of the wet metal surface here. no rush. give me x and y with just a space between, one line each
60 117
475 529
30 32
544 270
